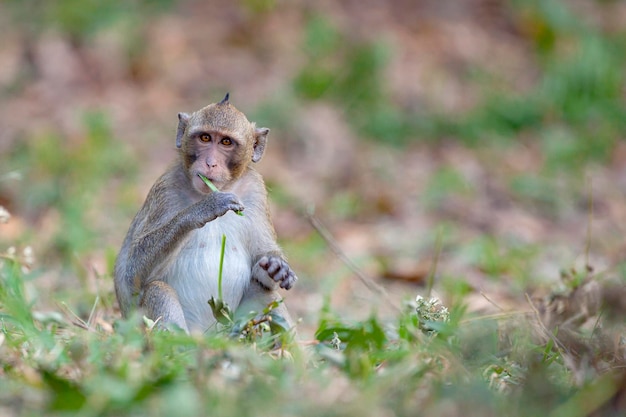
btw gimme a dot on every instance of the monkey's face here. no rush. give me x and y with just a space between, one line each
219 157
218 142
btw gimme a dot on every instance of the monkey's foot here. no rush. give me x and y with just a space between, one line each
278 270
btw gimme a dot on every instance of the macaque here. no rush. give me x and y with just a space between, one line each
168 264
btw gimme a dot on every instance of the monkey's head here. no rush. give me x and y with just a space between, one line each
218 142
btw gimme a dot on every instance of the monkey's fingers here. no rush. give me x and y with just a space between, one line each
237 208
279 271
280 275
264 262
275 266
288 282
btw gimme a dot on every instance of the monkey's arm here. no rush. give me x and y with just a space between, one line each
152 237
270 268
156 244
269 272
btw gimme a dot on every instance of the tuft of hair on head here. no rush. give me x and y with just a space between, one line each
225 100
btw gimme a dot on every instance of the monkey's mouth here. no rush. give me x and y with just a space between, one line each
208 182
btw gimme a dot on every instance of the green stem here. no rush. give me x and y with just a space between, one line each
219 276
208 183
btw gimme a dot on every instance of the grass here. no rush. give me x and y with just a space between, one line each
427 360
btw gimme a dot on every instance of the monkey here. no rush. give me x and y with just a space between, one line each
168 263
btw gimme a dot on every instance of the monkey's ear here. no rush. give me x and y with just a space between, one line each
260 139
225 100
183 118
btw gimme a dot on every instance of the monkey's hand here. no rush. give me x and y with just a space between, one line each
272 270
213 206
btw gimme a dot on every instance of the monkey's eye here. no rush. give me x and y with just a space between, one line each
227 141
205 137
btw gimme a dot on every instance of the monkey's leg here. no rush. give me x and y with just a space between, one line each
256 298
160 300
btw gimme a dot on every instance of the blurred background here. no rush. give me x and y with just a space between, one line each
480 143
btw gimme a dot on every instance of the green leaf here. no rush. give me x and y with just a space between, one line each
221 311
67 396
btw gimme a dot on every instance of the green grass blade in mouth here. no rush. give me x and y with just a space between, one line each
208 183
213 188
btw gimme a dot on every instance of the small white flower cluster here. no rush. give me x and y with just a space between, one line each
335 342
27 258
4 215
430 310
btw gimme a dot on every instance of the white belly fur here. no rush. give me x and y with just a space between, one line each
194 274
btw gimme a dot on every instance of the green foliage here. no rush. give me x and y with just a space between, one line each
80 19
15 310
68 176
471 365
259 6
577 104
549 193
346 204
351 74
363 342
502 258
578 94
446 182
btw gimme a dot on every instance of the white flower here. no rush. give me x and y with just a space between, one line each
28 257
430 311
335 342
4 215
